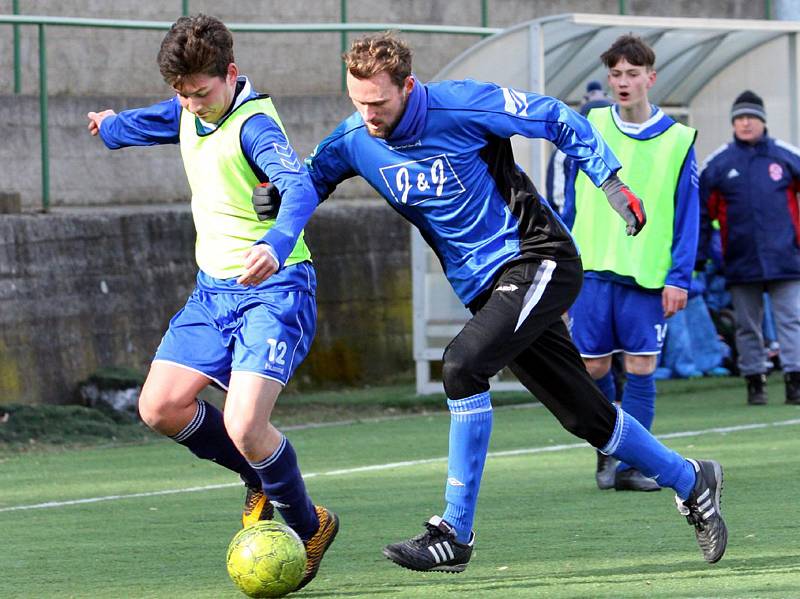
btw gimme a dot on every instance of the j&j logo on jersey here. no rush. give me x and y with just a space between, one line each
418 181
516 102
775 171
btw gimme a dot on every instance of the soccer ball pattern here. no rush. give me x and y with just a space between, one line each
266 559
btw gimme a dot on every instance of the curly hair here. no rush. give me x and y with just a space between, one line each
373 54
633 49
193 46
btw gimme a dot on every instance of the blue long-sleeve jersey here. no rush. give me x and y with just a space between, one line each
260 136
686 221
448 168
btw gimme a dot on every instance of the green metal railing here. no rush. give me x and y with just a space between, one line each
17 66
42 22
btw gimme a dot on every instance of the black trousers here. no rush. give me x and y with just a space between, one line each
517 323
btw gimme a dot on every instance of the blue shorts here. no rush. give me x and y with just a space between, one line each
609 317
225 327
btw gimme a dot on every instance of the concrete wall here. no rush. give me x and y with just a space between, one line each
83 290
104 61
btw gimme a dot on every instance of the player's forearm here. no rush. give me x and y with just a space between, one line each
152 125
686 226
297 206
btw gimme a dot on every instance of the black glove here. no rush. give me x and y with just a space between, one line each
625 202
700 265
266 201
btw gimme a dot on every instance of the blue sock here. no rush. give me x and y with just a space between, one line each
639 400
283 484
607 385
205 436
470 429
632 443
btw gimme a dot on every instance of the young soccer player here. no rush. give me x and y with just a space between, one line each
440 155
632 285
251 318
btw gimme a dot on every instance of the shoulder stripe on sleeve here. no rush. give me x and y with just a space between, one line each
711 157
788 147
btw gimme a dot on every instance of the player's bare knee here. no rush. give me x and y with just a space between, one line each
246 436
598 367
160 411
149 409
641 365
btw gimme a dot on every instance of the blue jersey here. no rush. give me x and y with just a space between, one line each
448 168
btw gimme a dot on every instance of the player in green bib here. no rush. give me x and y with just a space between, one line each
633 284
251 318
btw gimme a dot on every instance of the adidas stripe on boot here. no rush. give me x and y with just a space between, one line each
702 510
435 550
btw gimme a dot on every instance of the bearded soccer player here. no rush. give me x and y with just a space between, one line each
440 155
251 318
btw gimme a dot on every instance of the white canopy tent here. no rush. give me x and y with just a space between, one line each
702 64
557 55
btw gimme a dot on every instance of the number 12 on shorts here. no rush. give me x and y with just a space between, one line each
277 352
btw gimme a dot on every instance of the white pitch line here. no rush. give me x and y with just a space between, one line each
388 466
373 419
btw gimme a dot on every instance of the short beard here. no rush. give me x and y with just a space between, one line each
380 134
387 132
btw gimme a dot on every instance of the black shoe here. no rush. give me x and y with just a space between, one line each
633 480
435 550
792 380
702 510
606 469
756 393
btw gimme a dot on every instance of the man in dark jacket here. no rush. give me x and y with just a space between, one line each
750 186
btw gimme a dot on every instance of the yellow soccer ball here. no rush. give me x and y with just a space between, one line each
266 559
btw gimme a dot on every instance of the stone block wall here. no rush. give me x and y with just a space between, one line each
86 289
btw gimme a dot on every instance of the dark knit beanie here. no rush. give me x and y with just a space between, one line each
750 104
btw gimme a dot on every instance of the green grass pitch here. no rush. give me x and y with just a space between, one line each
543 529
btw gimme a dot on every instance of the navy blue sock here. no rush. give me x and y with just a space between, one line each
205 436
632 443
470 429
283 483
607 385
639 400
